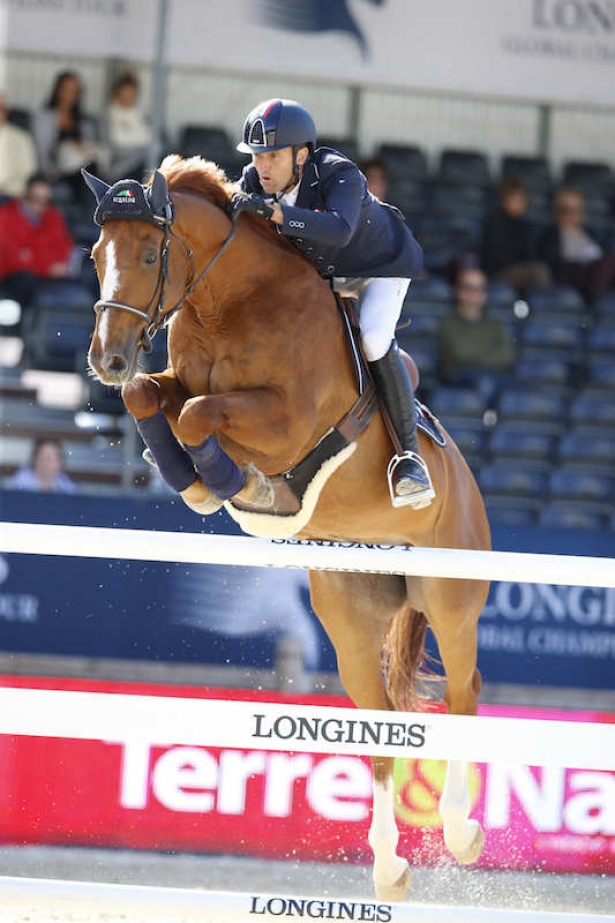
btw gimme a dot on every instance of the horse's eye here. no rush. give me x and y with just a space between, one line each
151 258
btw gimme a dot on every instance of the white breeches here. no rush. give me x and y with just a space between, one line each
380 304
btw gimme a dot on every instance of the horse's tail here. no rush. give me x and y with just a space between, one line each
404 660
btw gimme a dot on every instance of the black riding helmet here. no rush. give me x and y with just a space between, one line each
275 124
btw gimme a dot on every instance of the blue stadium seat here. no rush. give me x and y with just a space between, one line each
604 306
404 161
432 288
464 167
572 484
601 373
543 370
470 439
562 334
534 171
451 403
534 406
559 515
511 511
64 295
557 298
530 449
425 317
602 337
593 411
500 294
212 143
409 195
58 340
453 199
424 352
513 480
588 175
580 448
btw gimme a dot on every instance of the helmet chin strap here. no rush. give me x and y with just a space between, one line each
297 167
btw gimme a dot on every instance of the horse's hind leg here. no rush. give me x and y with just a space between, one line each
453 608
354 609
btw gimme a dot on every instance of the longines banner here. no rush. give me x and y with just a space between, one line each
553 50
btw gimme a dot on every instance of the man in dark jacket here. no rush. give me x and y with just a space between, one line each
320 201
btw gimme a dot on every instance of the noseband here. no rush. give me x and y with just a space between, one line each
153 316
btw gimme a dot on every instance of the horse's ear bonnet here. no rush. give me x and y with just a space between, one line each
128 199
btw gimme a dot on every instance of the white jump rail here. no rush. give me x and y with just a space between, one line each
228 724
33 895
183 548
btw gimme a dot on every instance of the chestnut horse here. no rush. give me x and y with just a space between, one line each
259 359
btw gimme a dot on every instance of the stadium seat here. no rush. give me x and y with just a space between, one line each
209 142
471 441
511 511
347 146
425 318
571 484
22 118
559 515
464 167
500 294
409 195
534 171
578 448
404 161
531 450
543 370
460 404
557 298
601 338
454 199
430 289
601 373
593 411
590 176
533 409
58 339
604 305
558 333
64 295
515 480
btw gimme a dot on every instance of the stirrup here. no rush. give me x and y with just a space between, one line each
419 498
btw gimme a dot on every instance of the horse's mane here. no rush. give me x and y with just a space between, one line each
204 178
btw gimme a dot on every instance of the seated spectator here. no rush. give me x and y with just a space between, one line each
473 350
376 173
65 138
127 133
45 470
575 256
509 246
35 243
17 155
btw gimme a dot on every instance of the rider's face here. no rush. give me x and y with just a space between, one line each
275 168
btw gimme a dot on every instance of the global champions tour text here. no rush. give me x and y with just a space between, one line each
337 730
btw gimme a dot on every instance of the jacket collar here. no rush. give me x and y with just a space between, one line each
309 183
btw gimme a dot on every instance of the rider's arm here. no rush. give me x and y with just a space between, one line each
337 222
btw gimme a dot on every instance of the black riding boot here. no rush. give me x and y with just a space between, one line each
409 479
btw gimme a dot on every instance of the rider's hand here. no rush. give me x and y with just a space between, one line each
250 202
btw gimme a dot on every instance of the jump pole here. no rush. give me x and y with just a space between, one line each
32 894
190 548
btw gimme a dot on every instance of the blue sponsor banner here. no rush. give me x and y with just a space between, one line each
557 636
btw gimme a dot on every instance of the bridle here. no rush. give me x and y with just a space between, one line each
154 316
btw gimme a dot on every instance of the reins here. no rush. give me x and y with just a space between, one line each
157 318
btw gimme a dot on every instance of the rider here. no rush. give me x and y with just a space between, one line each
320 201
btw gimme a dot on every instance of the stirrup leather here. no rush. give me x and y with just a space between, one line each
418 499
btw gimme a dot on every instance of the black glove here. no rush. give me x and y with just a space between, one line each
250 202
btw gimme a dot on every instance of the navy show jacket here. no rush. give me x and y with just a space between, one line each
340 225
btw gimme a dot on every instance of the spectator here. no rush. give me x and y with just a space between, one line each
473 349
508 246
45 470
376 173
17 155
65 139
128 134
34 242
573 253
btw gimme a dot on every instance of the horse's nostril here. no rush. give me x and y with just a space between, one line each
116 363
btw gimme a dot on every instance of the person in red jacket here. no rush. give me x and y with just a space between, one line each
35 243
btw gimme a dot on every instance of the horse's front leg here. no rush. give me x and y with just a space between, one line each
255 419
392 876
154 401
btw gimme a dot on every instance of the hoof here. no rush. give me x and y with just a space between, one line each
468 855
258 490
397 890
200 499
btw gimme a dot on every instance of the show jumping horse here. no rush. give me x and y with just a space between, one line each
258 358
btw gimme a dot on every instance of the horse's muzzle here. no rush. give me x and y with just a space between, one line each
113 368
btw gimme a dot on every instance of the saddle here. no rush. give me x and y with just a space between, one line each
293 487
